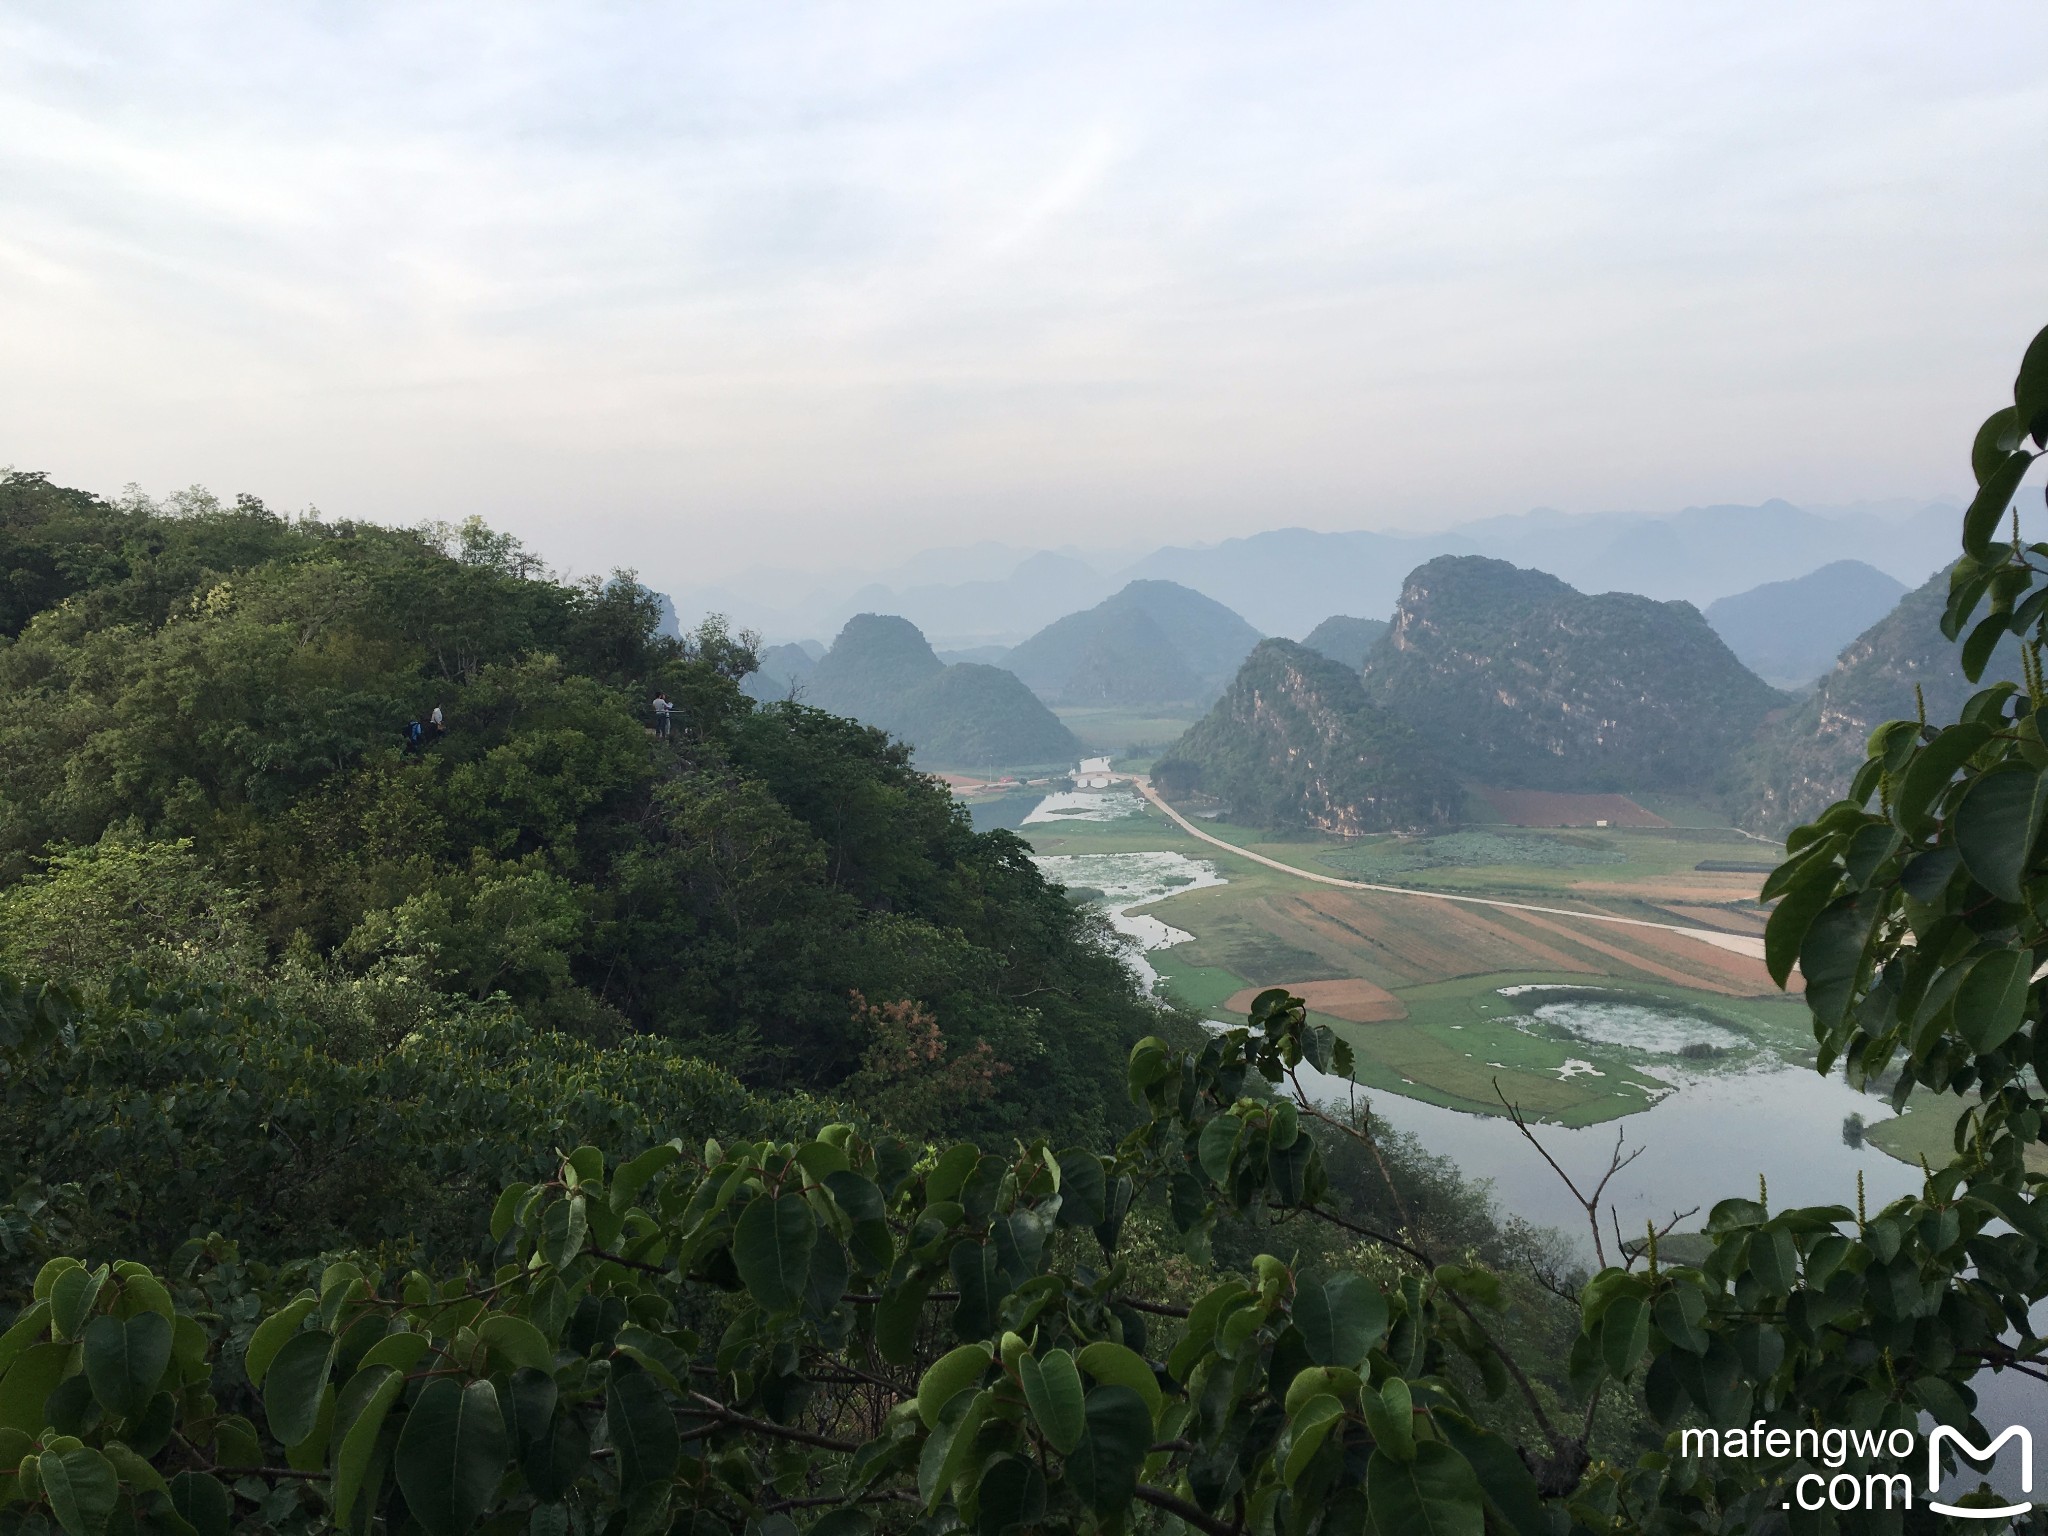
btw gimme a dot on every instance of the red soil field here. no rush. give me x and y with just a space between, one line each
1544 808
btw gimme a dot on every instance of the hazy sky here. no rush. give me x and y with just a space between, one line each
695 286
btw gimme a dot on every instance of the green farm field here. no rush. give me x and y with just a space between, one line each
1421 978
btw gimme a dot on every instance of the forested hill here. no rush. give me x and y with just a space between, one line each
1803 760
1294 742
1523 681
203 768
882 670
1154 642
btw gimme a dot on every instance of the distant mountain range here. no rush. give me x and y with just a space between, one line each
1295 742
1155 642
1288 580
1789 632
882 671
1345 639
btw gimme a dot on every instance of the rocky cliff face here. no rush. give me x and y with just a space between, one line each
1294 742
1522 681
1804 759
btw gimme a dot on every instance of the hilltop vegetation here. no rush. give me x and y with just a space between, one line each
882 671
1294 742
1524 682
1152 643
202 769
1790 632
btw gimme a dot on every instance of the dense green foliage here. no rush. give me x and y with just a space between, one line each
1294 742
209 702
1345 639
1525 683
883 671
1155 642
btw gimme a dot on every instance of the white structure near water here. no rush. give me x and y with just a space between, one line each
1093 774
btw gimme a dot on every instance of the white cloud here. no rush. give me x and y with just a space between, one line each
698 287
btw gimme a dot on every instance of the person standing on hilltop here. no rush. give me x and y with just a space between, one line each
662 710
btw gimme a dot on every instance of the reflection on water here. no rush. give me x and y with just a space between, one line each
1704 1143
1085 805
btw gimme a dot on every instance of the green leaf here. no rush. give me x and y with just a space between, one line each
643 1428
953 1372
1012 1495
72 1297
1678 1314
451 1454
270 1336
771 1248
1113 1365
294 1383
124 1361
553 1449
1084 1189
1933 766
1774 1260
1992 1001
1624 1334
897 1316
400 1351
2000 434
1340 1319
1984 638
633 1176
203 1502
516 1341
1217 1144
82 1488
1390 1415
1104 1465
1436 1494
1053 1389
1307 1431
366 1404
564 1227
1987 510
506 1208
1996 827
2030 389
1785 930
1503 1477
949 1445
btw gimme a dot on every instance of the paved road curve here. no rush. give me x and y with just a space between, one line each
1740 943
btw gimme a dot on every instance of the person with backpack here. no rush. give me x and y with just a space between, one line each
415 735
662 711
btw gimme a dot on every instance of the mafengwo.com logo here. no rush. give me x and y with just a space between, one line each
1871 1486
